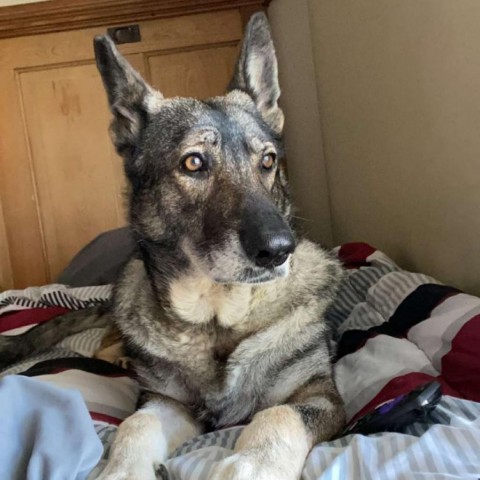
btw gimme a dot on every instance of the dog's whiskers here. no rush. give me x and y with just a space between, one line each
303 218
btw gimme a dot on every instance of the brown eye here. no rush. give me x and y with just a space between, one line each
193 163
268 161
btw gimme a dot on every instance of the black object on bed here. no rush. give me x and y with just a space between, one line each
99 262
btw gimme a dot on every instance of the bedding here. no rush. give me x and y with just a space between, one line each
50 433
393 330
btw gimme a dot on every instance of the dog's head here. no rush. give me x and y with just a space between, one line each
206 176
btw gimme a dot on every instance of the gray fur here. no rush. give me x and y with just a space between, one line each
204 325
43 336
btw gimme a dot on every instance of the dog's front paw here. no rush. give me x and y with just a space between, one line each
241 466
234 467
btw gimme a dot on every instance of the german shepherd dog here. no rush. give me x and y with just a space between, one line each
221 310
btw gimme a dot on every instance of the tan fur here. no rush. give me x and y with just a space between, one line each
113 354
275 424
197 299
126 461
272 447
112 336
154 102
272 114
160 428
112 348
323 395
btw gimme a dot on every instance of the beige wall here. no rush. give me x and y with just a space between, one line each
303 139
398 86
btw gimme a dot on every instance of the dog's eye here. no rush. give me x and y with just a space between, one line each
193 163
268 161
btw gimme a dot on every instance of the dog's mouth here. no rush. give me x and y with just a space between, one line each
256 275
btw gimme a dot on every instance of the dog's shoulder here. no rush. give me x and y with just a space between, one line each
316 268
134 304
132 288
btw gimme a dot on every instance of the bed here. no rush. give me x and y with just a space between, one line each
393 330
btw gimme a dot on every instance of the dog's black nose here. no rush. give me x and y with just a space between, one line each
265 235
273 249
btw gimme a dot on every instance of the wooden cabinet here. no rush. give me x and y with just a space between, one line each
61 182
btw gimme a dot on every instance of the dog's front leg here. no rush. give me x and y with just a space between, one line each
145 439
275 444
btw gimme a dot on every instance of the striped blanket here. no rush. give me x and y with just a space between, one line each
393 330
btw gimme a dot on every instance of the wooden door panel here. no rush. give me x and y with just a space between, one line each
17 190
199 73
71 158
75 171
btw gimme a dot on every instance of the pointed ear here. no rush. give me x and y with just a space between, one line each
129 96
256 72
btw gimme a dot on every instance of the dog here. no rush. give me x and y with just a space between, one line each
221 309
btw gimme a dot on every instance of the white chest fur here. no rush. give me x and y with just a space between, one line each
196 299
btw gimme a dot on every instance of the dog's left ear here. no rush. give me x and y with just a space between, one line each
256 72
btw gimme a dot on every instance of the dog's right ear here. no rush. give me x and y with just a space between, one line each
128 94
256 72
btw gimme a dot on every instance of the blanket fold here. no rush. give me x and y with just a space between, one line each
45 432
